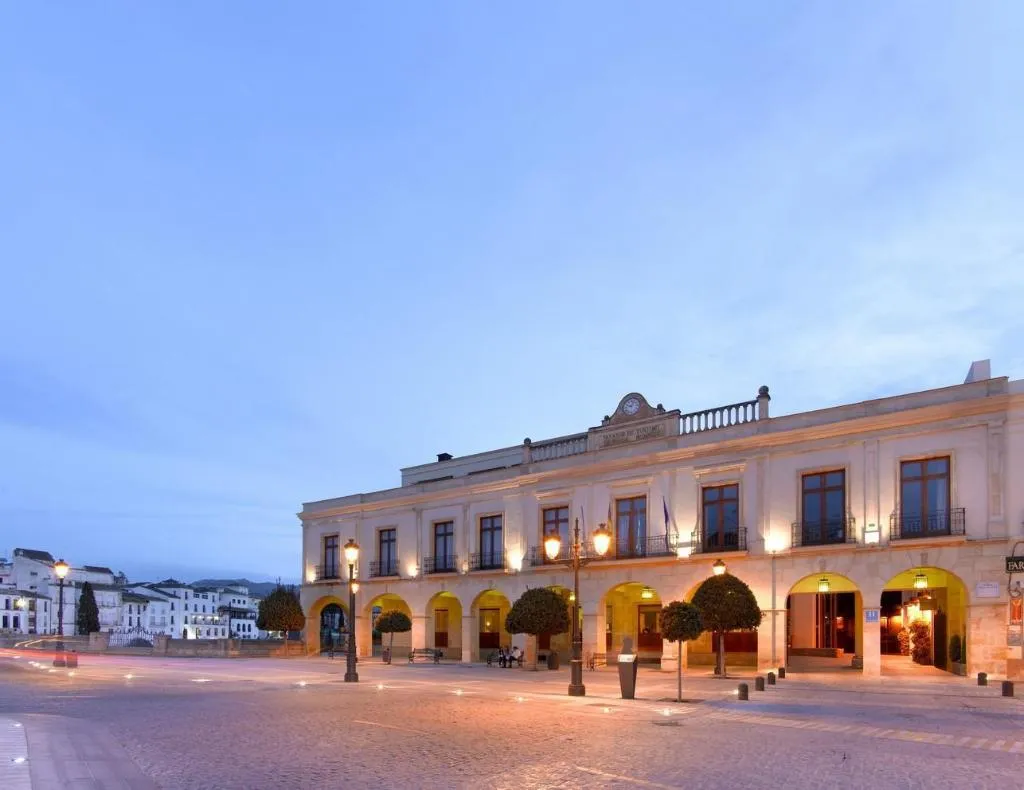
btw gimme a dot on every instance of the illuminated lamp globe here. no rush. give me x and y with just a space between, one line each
351 551
602 540
718 567
61 568
552 545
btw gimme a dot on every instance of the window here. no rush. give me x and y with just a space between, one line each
721 517
823 508
556 519
331 556
387 553
444 546
631 527
492 544
924 497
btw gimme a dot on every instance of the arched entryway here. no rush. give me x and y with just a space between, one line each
923 622
559 643
329 616
824 624
632 610
489 610
402 642
444 624
740 646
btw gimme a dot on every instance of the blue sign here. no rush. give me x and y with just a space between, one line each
870 615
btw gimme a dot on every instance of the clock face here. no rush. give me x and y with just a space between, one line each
631 406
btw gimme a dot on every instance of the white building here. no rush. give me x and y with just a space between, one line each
241 609
849 524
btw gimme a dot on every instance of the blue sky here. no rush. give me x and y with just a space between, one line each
257 255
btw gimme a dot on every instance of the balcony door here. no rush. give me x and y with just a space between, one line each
721 512
492 544
631 527
387 552
924 497
444 546
331 557
824 508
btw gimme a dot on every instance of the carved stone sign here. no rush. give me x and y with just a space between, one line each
630 435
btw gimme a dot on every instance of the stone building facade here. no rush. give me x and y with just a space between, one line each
850 524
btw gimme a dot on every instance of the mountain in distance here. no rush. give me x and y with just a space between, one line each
258 589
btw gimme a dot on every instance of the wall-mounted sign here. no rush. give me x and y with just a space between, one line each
986 590
1015 564
870 615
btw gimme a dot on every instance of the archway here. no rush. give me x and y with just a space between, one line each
561 644
740 646
632 610
824 624
923 622
444 624
489 610
386 602
329 617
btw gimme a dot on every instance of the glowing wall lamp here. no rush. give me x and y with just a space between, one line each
647 593
718 567
823 584
871 534
920 582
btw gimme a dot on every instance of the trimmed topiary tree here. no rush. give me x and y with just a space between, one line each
281 611
538 611
920 642
88 619
680 622
726 604
393 622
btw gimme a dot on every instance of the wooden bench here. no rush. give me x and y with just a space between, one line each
426 653
492 660
595 660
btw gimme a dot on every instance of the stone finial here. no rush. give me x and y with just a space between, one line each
527 440
762 402
762 392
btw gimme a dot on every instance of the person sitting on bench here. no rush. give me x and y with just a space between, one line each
515 657
502 658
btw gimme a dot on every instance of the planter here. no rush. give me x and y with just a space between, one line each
552 660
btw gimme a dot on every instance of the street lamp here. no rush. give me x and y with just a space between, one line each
60 568
351 555
552 545
718 567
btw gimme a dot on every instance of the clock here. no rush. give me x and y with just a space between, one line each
631 406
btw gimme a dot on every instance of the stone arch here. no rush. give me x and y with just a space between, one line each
824 623
934 598
488 610
444 617
318 630
631 610
741 647
384 602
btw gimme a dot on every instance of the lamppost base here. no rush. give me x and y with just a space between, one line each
577 690
59 661
351 677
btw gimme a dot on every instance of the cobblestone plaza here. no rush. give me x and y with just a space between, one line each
144 723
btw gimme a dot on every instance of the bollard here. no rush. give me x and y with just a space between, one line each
759 683
982 678
71 659
1007 688
782 673
771 678
743 692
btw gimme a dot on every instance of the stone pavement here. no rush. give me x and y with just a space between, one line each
14 768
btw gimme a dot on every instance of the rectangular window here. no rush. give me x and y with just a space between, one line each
631 527
387 553
332 555
924 497
721 514
823 508
492 543
444 546
556 519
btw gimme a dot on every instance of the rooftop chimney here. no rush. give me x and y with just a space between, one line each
980 370
444 457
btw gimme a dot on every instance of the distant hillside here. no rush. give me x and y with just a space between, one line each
259 589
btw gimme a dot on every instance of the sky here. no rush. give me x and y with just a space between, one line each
258 254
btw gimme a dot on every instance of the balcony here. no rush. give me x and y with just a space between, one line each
907 526
325 573
539 558
824 533
381 568
447 564
487 561
628 547
734 539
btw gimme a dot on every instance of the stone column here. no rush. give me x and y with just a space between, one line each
765 652
419 632
872 642
364 636
468 643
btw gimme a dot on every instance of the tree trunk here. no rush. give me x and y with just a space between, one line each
721 654
679 672
531 653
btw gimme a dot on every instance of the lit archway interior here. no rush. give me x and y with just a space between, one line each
824 624
632 610
559 643
329 617
444 624
489 611
403 641
740 646
923 621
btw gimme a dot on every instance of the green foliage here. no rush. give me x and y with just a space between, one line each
281 611
920 642
680 622
954 649
726 604
903 637
538 611
88 620
393 622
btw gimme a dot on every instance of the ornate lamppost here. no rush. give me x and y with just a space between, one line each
552 545
60 568
351 555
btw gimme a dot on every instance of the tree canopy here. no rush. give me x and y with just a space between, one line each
281 611
726 604
680 622
88 620
393 622
538 611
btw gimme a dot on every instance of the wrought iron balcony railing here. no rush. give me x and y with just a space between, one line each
379 568
824 533
538 557
626 547
905 526
734 539
444 564
327 573
487 561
